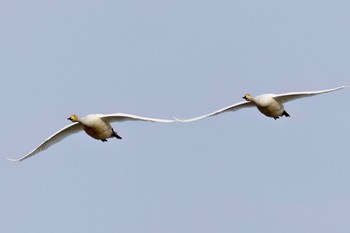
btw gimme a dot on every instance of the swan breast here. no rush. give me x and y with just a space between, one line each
97 128
268 105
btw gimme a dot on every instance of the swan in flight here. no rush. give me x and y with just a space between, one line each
270 105
95 125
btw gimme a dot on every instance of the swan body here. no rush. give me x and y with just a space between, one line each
268 105
95 126
98 126
271 105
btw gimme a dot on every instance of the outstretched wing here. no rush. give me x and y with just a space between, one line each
231 108
297 95
128 117
54 138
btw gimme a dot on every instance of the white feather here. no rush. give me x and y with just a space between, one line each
97 123
269 104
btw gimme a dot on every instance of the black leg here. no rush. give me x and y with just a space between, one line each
104 140
285 114
114 134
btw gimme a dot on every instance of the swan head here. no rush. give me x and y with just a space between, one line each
73 118
248 97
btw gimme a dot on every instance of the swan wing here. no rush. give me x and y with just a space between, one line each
54 138
297 95
231 108
128 117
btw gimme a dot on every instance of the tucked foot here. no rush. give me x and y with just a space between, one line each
285 114
114 134
275 118
104 140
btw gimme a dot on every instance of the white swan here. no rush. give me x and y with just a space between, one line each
270 105
96 125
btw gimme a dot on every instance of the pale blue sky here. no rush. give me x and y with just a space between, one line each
237 172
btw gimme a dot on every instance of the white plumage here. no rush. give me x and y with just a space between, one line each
96 125
270 105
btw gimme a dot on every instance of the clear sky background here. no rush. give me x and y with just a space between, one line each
237 172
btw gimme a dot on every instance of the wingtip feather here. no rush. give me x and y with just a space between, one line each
13 160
